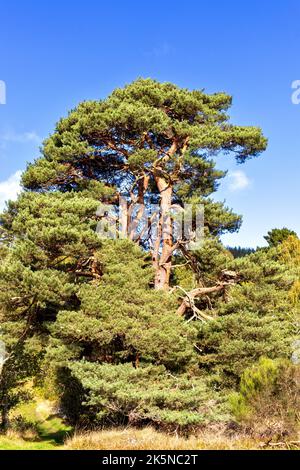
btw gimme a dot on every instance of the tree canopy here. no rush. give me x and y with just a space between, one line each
151 142
140 329
278 235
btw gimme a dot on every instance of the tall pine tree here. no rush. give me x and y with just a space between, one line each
154 143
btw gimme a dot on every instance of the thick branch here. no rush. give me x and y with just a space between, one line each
188 301
227 278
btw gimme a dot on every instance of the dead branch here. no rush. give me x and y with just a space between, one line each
189 302
227 278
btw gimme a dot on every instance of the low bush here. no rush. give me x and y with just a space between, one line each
268 403
121 394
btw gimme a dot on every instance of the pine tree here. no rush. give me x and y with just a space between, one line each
122 319
142 333
153 142
47 250
257 320
279 235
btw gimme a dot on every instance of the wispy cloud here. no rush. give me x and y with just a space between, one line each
161 50
238 180
23 137
10 188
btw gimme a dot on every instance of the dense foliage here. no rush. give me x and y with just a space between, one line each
131 330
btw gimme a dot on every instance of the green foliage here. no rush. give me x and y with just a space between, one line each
211 259
117 141
121 394
14 371
122 319
278 235
240 252
232 343
254 381
80 315
289 253
294 293
257 320
268 399
52 235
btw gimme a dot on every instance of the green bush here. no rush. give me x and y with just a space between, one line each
268 401
122 394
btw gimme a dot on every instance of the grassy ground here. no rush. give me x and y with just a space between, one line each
137 439
43 429
14 442
149 439
47 435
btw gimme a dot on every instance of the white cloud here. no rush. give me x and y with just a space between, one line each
161 50
23 137
10 188
238 181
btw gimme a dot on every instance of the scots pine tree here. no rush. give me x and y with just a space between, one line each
154 143
257 320
277 236
136 330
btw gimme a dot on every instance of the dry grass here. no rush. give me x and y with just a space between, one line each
149 439
140 439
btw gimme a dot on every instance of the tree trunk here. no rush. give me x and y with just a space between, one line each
163 249
142 188
164 243
4 418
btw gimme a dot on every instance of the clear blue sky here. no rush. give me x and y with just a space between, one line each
54 54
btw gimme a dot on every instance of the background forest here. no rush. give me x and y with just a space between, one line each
106 333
